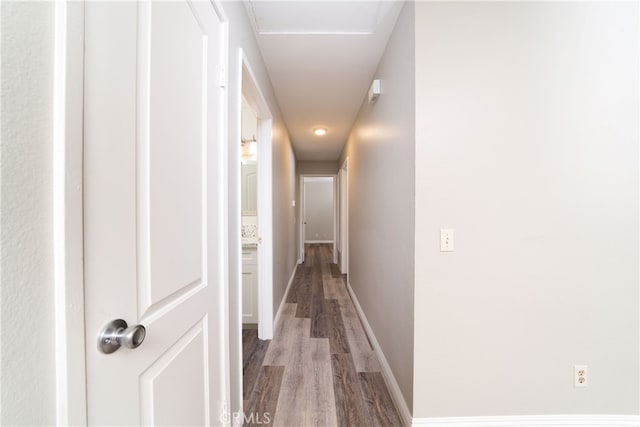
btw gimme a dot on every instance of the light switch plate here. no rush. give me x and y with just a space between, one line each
446 240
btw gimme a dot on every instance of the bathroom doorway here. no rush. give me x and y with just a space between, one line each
249 215
260 180
251 272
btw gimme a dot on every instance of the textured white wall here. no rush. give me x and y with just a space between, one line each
526 145
381 204
319 209
28 352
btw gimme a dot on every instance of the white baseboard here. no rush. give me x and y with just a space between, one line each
498 421
387 374
284 297
533 421
318 241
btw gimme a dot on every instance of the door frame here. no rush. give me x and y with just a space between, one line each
68 233
247 85
344 217
250 89
301 229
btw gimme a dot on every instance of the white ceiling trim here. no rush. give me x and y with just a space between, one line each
315 33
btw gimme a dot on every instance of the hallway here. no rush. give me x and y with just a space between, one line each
320 369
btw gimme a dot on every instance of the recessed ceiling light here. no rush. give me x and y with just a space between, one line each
320 131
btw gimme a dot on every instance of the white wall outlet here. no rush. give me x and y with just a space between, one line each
446 240
580 376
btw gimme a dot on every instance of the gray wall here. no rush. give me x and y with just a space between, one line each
283 161
28 348
527 146
284 228
381 204
318 209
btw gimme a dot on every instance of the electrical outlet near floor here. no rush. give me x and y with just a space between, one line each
580 376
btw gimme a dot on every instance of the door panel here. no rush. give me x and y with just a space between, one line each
250 286
153 144
176 122
252 191
182 367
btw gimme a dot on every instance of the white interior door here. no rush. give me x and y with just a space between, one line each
153 210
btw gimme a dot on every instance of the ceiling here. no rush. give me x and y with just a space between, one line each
321 57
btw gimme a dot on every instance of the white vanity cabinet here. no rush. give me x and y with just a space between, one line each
249 285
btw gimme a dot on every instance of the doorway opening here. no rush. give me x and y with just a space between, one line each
318 212
249 214
251 275
263 213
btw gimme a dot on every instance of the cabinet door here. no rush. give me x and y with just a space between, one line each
249 185
249 285
250 293
252 190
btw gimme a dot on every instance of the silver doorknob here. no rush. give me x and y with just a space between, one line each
116 334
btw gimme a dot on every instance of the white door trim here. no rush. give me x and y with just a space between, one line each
301 233
301 229
344 217
223 211
336 216
265 230
71 393
253 94
532 421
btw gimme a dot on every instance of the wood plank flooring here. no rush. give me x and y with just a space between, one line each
319 369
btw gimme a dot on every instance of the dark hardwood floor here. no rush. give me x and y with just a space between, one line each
320 368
